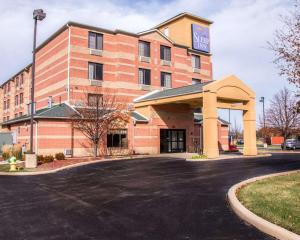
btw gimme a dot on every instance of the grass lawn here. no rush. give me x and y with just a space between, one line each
275 199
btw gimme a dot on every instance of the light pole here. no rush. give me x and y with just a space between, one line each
262 100
38 15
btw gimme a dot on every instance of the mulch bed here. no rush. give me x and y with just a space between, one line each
62 163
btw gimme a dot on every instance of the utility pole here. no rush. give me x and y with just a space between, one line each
38 15
262 100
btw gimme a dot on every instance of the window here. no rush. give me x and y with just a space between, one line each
21 98
95 40
166 31
22 79
117 138
4 87
165 79
7 118
17 81
4 119
50 101
8 87
16 100
144 76
144 49
93 98
4 105
196 81
95 71
29 108
165 53
7 104
196 61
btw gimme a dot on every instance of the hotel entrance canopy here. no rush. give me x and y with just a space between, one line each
226 93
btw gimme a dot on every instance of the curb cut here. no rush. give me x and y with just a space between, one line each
227 158
251 218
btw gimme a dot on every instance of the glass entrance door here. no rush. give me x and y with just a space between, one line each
172 140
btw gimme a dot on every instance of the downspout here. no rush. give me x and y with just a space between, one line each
69 49
133 136
36 136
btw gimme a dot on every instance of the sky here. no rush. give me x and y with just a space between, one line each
239 34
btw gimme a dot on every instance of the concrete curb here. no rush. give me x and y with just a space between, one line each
248 216
225 158
62 168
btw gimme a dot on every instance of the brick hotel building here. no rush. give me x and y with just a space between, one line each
145 67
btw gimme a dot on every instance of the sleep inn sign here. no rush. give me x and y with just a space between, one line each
200 38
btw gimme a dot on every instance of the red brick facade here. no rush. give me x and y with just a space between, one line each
62 73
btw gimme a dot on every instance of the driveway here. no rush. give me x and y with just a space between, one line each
153 198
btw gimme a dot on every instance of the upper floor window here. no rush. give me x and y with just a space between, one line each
165 53
16 100
8 87
144 76
95 99
4 105
166 31
21 79
4 89
21 98
144 49
95 71
165 79
196 80
96 40
7 104
196 61
17 81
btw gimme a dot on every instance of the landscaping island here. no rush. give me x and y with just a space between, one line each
276 199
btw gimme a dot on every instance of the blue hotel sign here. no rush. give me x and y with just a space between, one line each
200 38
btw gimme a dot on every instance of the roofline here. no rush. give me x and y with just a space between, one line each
174 95
182 15
82 25
147 120
18 73
159 32
27 118
116 31
63 28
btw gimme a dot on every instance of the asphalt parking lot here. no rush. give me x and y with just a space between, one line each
152 198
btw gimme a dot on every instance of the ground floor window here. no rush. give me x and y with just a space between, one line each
117 138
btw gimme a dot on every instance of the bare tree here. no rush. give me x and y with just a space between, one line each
286 46
282 113
97 115
236 130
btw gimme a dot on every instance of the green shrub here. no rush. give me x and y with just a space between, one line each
199 156
40 159
48 159
60 156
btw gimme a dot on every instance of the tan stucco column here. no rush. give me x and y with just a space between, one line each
210 127
249 117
